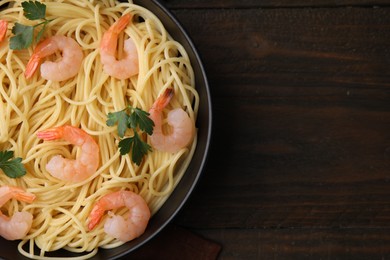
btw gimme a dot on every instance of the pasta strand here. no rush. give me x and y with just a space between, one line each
26 106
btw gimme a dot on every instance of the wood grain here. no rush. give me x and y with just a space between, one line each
299 165
300 115
200 4
301 244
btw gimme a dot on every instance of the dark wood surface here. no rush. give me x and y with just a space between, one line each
299 165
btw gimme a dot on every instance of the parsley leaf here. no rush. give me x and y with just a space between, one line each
132 118
142 119
135 145
121 118
125 145
34 10
24 34
13 168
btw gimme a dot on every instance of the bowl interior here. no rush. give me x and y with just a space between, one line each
190 178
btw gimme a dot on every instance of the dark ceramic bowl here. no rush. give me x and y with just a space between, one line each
187 183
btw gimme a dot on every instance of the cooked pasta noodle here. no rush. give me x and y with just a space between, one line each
61 209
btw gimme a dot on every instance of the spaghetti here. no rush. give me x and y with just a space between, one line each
60 210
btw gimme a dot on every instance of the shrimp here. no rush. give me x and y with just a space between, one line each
181 124
67 67
3 29
126 67
116 226
17 226
67 169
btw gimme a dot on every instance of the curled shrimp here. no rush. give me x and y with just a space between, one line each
67 67
182 126
116 226
68 169
17 226
126 67
3 29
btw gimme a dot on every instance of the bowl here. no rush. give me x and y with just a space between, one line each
188 182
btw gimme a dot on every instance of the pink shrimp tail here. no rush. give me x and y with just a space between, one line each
163 100
32 66
95 216
109 41
36 57
25 196
21 194
3 29
51 134
121 24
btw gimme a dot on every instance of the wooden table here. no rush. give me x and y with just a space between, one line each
299 165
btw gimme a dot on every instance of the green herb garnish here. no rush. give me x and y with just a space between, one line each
24 34
12 167
135 119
